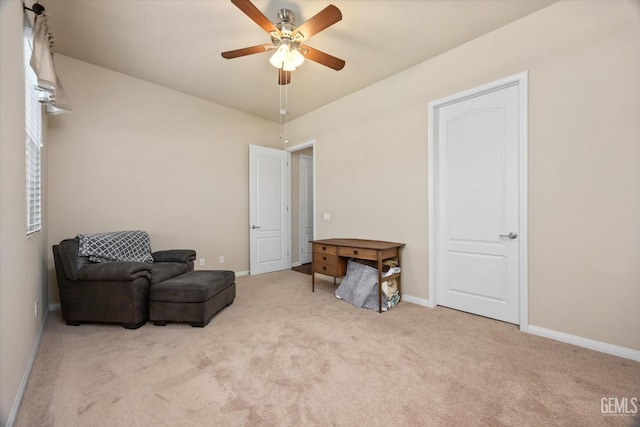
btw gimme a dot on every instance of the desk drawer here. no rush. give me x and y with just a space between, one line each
358 253
324 249
328 264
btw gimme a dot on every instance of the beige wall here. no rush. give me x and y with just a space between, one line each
295 201
584 160
134 155
22 261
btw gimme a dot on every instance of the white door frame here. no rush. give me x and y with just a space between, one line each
521 80
298 147
302 241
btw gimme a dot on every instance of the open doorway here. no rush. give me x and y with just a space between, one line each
302 204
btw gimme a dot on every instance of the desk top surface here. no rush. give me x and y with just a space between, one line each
359 243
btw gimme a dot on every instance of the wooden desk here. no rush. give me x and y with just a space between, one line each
330 257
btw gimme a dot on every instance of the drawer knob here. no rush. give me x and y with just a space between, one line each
324 248
324 268
324 258
355 252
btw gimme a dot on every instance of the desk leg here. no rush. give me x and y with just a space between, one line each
313 277
379 281
399 280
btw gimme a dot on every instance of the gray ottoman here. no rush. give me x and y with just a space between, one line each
193 297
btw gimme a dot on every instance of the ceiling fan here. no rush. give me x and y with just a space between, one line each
287 39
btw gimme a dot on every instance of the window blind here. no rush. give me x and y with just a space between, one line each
33 128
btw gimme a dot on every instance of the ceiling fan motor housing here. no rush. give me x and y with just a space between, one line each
286 26
286 16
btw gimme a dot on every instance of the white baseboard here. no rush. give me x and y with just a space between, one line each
13 415
614 350
242 273
603 347
296 264
415 300
54 307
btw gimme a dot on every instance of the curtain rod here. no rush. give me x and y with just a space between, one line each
37 8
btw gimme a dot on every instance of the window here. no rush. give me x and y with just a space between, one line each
33 125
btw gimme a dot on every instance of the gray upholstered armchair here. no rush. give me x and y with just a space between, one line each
114 291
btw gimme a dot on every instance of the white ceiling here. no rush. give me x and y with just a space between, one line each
177 43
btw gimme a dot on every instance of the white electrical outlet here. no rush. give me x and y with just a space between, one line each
326 216
201 261
221 259
35 309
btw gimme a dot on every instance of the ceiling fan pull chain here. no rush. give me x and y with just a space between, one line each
286 113
280 108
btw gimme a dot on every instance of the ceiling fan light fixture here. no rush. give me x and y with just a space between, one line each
288 66
280 56
286 57
296 57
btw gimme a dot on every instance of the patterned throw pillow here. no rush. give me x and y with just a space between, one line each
116 246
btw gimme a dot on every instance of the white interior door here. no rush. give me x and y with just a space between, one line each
477 202
269 177
306 208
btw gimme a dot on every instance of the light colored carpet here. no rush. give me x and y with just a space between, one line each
284 356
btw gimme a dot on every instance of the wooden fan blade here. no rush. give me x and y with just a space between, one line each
320 57
258 17
284 77
322 20
247 51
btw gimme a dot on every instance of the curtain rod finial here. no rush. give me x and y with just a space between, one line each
37 8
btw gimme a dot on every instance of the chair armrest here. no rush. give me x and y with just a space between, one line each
115 271
175 255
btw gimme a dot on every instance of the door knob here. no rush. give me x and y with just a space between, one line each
253 227
511 235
